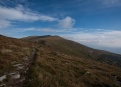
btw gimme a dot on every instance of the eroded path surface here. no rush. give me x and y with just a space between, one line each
17 78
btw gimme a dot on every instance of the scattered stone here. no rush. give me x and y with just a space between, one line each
87 73
6 51
18 76
2 85
26 58
19 66
14 62
14 75
16 65
3 78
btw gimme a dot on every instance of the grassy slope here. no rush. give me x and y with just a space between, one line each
75 49
11 50
59 63
56 69
63 63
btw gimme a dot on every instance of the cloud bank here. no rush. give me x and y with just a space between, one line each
22 15
108 38
19 13
95 38
4 24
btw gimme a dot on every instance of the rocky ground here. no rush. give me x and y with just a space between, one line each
17 78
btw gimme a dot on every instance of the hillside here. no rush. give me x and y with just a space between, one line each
64 63
52 61
14 58
62 45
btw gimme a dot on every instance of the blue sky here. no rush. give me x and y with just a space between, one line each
95 23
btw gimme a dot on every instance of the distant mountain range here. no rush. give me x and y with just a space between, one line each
57 62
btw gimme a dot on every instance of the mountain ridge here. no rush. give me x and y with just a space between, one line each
90 51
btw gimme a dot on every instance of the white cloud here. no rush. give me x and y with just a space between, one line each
67 23
4 23
22 30
110 3
102 38
19 13
44 30
50 30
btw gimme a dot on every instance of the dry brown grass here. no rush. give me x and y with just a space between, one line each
12 49
59 63
55 69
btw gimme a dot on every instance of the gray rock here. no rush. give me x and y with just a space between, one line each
3 78
15 75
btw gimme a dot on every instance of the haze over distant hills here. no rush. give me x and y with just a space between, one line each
93 44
